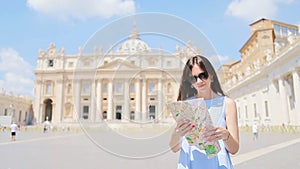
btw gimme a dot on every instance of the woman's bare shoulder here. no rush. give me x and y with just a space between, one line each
229 102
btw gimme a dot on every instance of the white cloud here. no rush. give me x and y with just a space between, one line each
223 58
82 9
252 10
16 74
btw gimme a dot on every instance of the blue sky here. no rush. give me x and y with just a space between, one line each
30 25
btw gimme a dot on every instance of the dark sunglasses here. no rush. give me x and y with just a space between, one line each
202 76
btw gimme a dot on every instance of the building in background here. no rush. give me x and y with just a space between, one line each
15 108
130 82
265 83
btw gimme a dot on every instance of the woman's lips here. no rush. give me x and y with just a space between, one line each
200 85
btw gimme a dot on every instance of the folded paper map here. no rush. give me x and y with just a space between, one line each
195 111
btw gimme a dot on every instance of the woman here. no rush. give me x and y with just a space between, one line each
199 80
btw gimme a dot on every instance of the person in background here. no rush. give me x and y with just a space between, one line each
199 80
255 131
13 131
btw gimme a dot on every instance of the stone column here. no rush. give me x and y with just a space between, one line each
110 101
126 116
159 113
99 101
93 98
77 115
296 84
144 100
42 105
137 114
59 100
283 100
37 101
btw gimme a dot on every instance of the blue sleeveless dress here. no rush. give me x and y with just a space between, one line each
193 158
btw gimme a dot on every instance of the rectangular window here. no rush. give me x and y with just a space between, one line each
169 63
119 87
5 112
71 64
26 117
85 109
118 107
85 114
152 111
266 109
151 87
105 88
284 32
50 63
86 87
255 111
132 88
246 112
118 112
20 116
49 88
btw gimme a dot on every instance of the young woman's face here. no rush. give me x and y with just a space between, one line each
201 80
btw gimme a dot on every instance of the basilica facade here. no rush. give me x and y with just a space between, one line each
265 83
131 82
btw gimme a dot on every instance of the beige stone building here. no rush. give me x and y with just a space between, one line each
131 82
265 82
15 108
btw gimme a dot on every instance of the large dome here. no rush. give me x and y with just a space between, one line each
134 44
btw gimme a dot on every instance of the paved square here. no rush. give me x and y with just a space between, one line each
75 150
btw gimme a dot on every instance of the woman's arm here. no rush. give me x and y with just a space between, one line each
230 134
175 141
232 137
182 128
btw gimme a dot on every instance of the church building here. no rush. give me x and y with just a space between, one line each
130 82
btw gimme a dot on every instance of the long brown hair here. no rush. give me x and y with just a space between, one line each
186 89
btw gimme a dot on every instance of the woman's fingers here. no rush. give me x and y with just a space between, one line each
210 134
183 127
214 134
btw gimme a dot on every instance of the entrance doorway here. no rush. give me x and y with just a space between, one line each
118 112
152 112
118 116
48 110
104 115
132 115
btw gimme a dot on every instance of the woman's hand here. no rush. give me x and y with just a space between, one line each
183 127
215 134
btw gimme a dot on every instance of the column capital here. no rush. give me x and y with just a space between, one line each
60 80
76 80
38 81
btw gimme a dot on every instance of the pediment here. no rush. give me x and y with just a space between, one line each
119 64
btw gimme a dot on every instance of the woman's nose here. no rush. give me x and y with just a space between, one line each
198 79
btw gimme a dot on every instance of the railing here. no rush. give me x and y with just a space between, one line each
279 129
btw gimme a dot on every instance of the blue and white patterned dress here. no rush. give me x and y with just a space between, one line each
193 158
